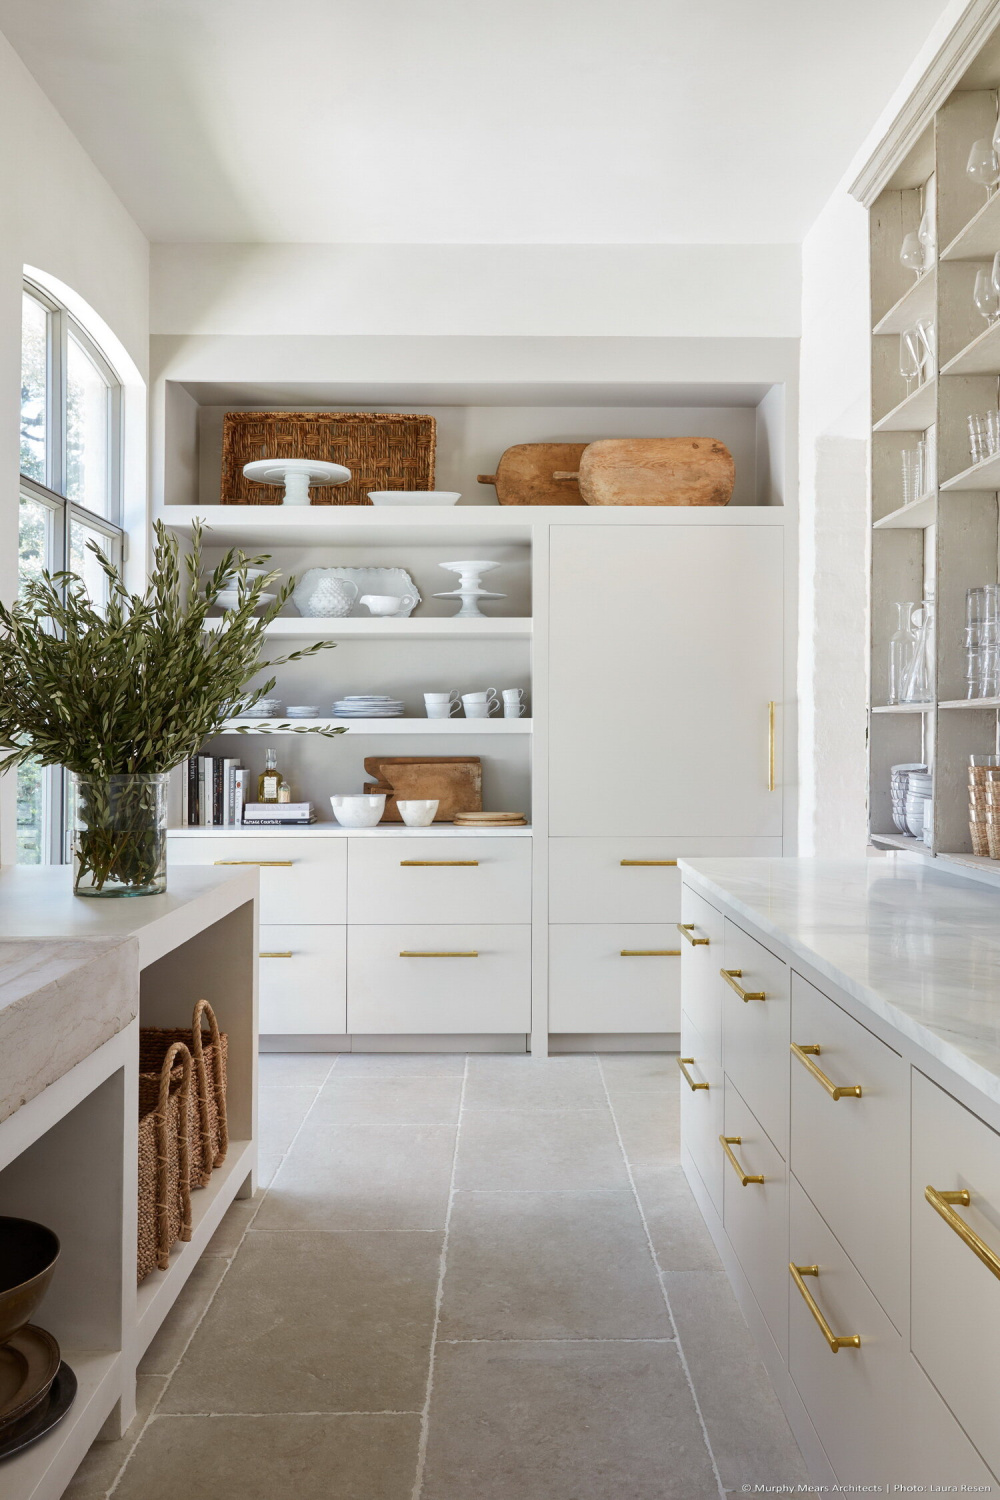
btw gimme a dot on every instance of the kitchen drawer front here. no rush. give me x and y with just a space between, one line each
417 880
931 1448
390 994
303 980
852 1395
702 1114
755 1215
701 946
629 879
301 879
614 978
756 1033
955 1298
852 1154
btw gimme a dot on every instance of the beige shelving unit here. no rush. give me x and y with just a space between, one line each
946 541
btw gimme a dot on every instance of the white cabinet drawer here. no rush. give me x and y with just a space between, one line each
439 880
701 1108
931 1448
701 945
303 980
614 978
629 879
851 1154
852 1395
388 993
755 1031
955 1298
755 1214
301 879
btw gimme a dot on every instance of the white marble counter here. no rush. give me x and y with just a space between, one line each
919 947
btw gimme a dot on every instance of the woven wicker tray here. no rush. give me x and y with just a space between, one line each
383 450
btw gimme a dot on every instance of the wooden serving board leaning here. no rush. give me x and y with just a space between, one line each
455 781
655 471
526 474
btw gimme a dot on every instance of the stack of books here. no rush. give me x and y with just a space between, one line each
278 814
213 792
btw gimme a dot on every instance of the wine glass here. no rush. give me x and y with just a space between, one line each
927 334
983 165
911 253
927 235
985 295
909 357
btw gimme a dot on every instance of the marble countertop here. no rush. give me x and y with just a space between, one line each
919 947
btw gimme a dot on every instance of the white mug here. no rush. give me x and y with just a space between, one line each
442 710
481 705
513 704
477 711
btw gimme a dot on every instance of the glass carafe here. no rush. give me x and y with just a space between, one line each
902 645
918 686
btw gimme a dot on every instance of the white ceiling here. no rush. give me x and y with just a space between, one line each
549 121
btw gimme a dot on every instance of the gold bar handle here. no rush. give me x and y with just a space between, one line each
770 747
650 953
265 864
410 953
410 864
687 1076
850 1341
727 1142
286 954
658 862
805 1056
686 930
941 1202
731 976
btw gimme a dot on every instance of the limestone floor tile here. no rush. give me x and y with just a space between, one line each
678 1232
235 1223
316 1323
182 1319
563 1421
639 1072
274 1458
534 1083
392 1100
751 1440
291 1069
268 1163
360 1177
280 1112
416 1064
550 1266
539 1150
650 1128
103 1463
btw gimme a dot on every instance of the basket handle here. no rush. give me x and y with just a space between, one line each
202 1010
176 1053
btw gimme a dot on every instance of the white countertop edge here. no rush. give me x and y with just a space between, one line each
334 830
952 1053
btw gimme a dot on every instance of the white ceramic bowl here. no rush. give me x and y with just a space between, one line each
414 497
359 811
230 599
418 814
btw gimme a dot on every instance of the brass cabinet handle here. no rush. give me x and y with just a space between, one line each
727 1142
286 954
852 1091
409 953
849 1341
687 1076
650 953
731 976
770 747
660 862
266 864
686 930
409 864
941 1202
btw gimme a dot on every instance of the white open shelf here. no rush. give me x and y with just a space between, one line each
916 302
980 237
47 1466
902 708
900 841
915 413
447 628
982 476
913 517
993 703
385 726
979 357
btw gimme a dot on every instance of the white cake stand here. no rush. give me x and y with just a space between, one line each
296 474
469 591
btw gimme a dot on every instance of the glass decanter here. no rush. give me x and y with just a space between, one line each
902 646
918 686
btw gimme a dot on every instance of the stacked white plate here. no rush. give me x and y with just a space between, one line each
370 706
302 711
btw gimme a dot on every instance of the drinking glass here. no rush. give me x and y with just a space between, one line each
927 235
911 253
913 473
902 644
985 295
991 424
983 165
927 334
909 357
977 438
918 684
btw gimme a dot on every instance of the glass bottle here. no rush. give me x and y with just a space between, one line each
284 791
918 686
902 644
269 781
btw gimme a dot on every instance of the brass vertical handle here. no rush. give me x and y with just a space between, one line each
727 1142
805 1055
770 747
681 1061
847 1341
942 1203
686 930
732 978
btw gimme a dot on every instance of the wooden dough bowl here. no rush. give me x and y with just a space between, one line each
526 474
654 471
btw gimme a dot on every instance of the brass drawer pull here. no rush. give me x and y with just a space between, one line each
771 784
658 862
409 953
731 976
686 930
650 953
410 864
265 864
850 1341
727 1142
287 954
805 1056
941 1202
687 1076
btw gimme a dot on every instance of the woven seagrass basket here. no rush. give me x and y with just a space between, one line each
164 1169
383 450
208 1130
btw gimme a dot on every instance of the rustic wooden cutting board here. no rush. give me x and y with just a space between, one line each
455 780
656 471
525 473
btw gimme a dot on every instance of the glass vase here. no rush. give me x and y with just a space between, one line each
120 835
902 645
919 684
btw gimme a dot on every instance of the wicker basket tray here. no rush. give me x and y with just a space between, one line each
383 450
208 1131
164 1170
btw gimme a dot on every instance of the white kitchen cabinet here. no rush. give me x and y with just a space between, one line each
755 1210
620 977
302 879
435 880
629 879
755 1028
303 980
702 1108
438 979
702 934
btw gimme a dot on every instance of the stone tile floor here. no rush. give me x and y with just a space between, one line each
477 1278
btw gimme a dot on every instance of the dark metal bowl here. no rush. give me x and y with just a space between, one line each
28 1255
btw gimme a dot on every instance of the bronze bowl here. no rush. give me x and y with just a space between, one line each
28 1255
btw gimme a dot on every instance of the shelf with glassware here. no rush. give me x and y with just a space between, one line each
401 725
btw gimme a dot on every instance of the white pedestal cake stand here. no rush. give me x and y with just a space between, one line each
469 590
296 474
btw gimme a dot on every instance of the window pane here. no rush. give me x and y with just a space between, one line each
34 386
35 528
83 562
88 427
32 836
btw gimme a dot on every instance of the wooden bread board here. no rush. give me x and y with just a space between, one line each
657 471
525 473
456 781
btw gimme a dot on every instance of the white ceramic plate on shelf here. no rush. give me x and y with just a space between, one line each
414 497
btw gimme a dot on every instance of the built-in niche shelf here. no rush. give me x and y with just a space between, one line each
993 703
913 517
899 841
902 708
384 726
301 628
979 238
916 302
915 413
981 356
982 476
